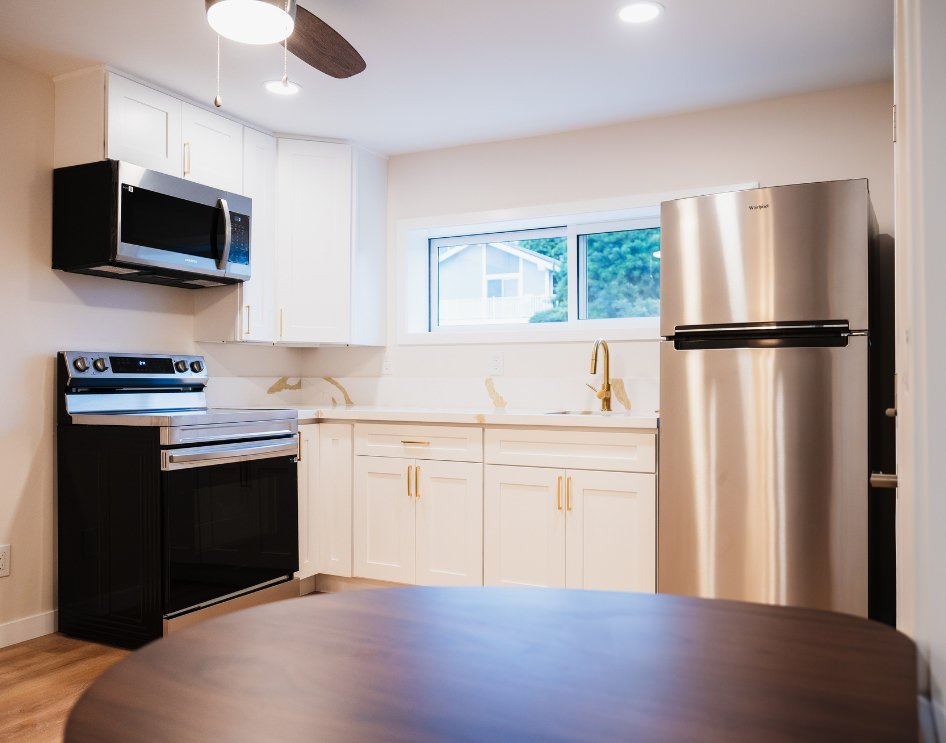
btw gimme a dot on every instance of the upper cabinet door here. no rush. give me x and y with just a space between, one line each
313 232
212 149
257 313
144 126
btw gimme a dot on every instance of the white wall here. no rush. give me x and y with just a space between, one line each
921 337
45 311
836 134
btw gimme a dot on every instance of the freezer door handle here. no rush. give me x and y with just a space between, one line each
882 480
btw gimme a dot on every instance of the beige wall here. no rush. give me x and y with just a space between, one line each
836 134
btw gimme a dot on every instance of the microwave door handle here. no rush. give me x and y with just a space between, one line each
224 257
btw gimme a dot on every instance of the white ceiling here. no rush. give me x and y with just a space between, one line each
448 72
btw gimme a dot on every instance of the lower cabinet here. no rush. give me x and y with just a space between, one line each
325 499
308 474
418 521
565 528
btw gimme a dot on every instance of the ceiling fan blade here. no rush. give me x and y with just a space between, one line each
322 47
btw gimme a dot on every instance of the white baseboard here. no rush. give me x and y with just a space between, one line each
20 630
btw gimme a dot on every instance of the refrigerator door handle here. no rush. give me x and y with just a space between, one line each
883 480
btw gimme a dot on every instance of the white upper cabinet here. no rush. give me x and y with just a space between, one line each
314 235
258 309
247 312
143 126
330 213
100 114
212 149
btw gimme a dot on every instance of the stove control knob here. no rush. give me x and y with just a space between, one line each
181 365
99 365
81 364
197 367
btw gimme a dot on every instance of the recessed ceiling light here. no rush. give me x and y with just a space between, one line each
640 12
283 87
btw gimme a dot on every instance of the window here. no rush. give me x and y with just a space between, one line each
564 274
505 278
619 274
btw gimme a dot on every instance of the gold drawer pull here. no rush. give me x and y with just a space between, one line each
415 443
568 494
558 497
417 480
409 493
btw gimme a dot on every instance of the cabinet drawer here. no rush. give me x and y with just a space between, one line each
591 450
450 443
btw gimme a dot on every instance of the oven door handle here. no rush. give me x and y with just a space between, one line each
206 456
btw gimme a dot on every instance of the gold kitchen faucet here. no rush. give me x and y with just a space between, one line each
604 394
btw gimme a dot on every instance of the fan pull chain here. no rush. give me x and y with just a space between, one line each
218 101
285 62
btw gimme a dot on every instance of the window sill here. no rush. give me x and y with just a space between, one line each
611 331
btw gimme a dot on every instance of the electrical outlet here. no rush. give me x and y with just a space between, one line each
387 365
4 560
496 364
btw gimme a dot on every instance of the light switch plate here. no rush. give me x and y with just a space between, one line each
496 364
4 560
387 365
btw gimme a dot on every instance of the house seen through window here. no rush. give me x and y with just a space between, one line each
523 276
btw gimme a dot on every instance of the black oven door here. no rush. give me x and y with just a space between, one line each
229 526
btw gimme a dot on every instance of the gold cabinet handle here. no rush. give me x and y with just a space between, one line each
247 329
417 481
409 493
568 494
558 496
408 442
280 322
187 158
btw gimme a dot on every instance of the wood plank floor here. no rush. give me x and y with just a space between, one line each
41 679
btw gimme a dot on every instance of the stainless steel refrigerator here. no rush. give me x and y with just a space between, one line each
764 395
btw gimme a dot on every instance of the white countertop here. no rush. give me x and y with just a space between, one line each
467 416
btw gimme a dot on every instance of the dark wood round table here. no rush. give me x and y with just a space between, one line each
503 664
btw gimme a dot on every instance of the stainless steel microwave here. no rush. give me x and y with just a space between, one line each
115 219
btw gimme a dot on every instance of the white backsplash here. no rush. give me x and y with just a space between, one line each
513 393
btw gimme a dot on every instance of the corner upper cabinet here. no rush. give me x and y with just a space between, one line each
330 207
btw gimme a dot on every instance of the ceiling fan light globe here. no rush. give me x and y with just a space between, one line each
252 21
282 87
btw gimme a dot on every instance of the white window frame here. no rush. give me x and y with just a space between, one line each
411 271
